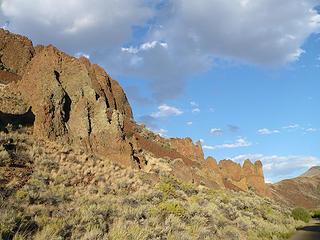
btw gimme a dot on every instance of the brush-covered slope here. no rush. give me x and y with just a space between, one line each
53 191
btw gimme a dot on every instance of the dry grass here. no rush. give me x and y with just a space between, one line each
72 195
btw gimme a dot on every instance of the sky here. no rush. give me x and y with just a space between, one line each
241 76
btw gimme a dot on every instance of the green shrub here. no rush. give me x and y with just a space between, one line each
168 207
316 213
301 214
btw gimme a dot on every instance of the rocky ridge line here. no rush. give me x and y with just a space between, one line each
72 101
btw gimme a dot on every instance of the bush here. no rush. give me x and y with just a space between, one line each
166 208
316 213
301 214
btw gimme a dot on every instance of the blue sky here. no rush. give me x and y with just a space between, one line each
242 76
275 110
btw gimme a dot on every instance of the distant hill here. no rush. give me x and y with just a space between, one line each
312 172
302 191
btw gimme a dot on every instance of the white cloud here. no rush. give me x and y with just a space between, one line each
77 25
189 123
81 54
196 110
208 147
198 31
181 41
311 130
266 131
240 142
195 107
292 126
166 111
144 47
194 104
280 167
216 131
162 132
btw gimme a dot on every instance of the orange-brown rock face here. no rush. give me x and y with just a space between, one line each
73 100
237 177
255 177
16 51
186 148
212 164
230 169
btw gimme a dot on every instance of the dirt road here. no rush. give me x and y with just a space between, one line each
310 232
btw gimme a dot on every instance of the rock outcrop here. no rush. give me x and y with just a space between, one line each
72 101
237 177
186 148
15 53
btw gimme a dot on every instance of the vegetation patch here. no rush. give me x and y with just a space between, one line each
301 214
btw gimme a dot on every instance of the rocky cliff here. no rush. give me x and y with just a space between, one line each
71 101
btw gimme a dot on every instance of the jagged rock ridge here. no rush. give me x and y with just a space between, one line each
72 101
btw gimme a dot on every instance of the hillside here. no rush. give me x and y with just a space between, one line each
75 165
303 191
50 191
312 172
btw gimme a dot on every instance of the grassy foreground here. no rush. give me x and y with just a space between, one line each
68 194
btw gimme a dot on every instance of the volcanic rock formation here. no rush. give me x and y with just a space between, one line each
72 101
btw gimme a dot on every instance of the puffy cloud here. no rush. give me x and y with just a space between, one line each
273 30
240 142
265 32
166 111
281 167
216 131
189 123
176 39
77 25
266 131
